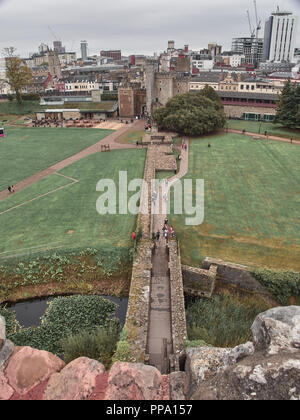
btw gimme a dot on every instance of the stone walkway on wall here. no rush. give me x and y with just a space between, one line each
162 311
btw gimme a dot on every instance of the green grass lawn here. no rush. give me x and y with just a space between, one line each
252 203
132 137
12 107
256 127
25 151
31 107
68 218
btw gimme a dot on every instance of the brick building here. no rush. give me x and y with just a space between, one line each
115 54
132 101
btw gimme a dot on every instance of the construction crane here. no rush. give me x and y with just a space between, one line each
53 34
258 23
252 31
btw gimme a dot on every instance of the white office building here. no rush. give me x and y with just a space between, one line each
280 36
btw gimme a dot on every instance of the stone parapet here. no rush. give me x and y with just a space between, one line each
137 318
179 332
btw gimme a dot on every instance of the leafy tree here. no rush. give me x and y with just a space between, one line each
288 111
18 75
192 113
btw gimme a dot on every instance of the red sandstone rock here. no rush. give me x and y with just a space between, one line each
134 381
35 394
76 381
28 367
6 391
99 391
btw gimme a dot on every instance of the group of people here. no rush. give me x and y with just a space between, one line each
49 122
11 189
184 145
167 231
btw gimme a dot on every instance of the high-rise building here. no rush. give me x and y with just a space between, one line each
83 47
251 48
280 36
57 46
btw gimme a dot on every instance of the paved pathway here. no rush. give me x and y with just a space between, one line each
262 136
110 140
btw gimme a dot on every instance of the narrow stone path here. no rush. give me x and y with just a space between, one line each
110 140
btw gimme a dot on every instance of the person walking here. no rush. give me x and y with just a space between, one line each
172 232
9 189
133 236
291 140
166 221
157 235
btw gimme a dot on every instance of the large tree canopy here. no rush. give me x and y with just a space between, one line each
18 75
288 111
192 113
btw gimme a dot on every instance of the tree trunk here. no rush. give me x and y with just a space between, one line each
19 97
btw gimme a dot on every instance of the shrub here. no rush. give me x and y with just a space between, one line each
12 325
281 284
223 320
98 344
123 351
67 316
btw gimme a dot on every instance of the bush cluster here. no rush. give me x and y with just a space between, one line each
98 344
281 284
67 316
224 320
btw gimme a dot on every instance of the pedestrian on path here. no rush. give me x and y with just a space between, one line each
9 189
169 232
172 232
185 147
165 230
133 236
157 235
208 145
166 221
291 140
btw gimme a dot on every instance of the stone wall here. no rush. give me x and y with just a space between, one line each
235 274
199 282
238 110
137 317
179 332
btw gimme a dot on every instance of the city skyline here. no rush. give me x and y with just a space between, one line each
137 28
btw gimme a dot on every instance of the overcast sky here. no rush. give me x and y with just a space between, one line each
135 26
